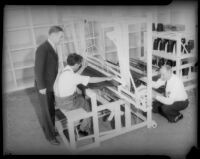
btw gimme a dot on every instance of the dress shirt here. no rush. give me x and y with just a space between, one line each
174 91
53 45
68 81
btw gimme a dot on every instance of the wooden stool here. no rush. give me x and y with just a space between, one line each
68 133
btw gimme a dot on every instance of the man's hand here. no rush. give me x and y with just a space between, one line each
85 63
42 91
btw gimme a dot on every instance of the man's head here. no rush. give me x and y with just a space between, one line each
56 34
74 61
165 72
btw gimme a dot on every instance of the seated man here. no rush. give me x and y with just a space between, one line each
175 98
65 86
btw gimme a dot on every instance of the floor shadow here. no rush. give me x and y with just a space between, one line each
31 93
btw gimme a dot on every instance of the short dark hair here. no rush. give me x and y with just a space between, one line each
73 59
55 29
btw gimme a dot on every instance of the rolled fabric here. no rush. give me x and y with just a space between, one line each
160 27
170 46
153 27
191 44
163 44
156 43
154 61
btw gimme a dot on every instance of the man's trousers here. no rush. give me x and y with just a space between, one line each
45 115
170 111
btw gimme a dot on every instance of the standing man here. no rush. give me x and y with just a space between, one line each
46 69
175 98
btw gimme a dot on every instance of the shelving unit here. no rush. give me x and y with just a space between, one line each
184 59
19 53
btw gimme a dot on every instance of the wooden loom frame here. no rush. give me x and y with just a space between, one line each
114 107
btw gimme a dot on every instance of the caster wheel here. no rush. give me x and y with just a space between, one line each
154 124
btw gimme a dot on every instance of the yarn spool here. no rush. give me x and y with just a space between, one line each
171 46
162 44
153 27
160 27
156 43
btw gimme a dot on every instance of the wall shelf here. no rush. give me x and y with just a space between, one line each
17 29
24 32
43 25
24 67
178 56
23 48
163 54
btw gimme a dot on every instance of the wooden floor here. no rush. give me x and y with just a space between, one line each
23 134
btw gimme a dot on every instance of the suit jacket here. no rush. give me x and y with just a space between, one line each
46 66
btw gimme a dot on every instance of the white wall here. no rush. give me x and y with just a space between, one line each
180 12
102 12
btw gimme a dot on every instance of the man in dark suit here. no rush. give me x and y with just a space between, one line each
46 69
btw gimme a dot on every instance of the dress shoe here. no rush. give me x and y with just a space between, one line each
176 119
54 142
179 117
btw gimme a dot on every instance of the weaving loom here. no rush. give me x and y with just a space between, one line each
122 102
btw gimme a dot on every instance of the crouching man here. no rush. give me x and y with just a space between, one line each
175 97
65 88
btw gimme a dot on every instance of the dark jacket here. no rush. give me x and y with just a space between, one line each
46 66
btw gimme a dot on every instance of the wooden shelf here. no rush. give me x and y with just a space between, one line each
23 48
167 35
24 31
18 29
163 54
43 25
9 87
29 82
8 80
24 67
190 55
189 78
